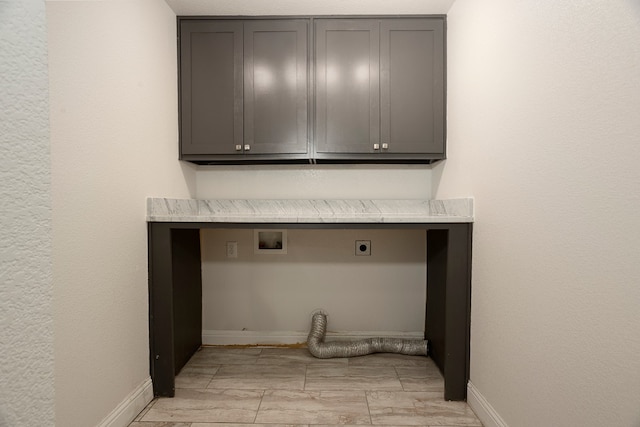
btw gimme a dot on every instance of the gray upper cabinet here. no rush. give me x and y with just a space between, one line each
211 87
243 90
347 82
379 89
275 86
359 89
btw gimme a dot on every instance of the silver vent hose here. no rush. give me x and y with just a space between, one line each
327 350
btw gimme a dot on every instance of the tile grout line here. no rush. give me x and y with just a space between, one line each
259 406
304 385
212 377
145 409
395 368
366 398
263 391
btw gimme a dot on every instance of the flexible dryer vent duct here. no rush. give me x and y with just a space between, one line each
327 350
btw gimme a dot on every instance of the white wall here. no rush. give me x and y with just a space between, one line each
26 290
114 143
314 182
307 7
271 296
544 131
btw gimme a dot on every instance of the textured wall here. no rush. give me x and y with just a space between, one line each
26 314
113 143
544 102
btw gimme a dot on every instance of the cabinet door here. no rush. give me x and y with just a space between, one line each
412 85
211 86
347 85
275 86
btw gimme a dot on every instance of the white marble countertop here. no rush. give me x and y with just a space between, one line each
309 211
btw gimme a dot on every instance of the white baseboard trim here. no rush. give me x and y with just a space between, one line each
130 407
482 408
222 337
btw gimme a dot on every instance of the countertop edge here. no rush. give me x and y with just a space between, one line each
311 211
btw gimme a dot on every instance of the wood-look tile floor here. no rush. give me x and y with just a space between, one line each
234 387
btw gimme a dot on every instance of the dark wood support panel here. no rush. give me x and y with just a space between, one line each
175 296
448 311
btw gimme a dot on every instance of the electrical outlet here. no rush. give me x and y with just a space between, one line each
363 247
232 249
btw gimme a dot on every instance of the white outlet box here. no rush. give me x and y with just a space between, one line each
232 249
363 247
